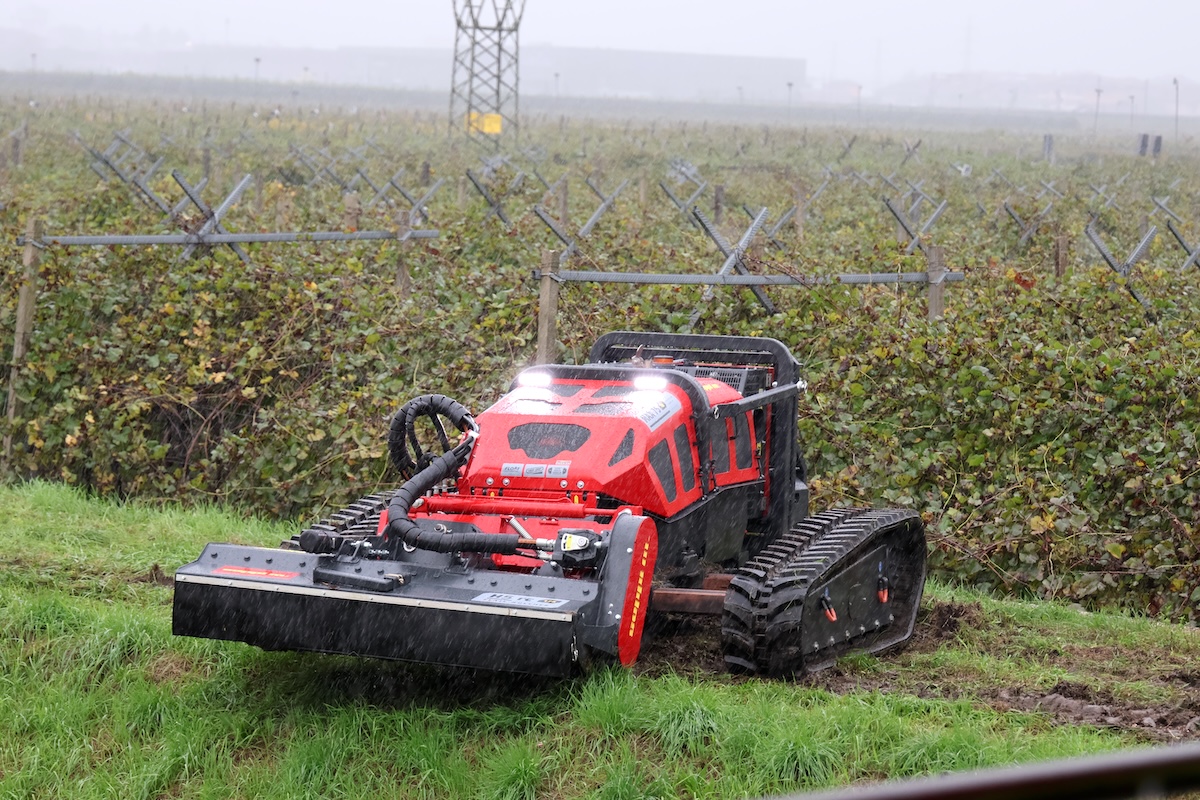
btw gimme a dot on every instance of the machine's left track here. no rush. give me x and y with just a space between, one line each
360 518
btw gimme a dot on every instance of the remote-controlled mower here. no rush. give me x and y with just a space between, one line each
662 476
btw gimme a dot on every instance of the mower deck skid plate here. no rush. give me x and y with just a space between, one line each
424 612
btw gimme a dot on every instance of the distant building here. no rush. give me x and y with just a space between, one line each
545 70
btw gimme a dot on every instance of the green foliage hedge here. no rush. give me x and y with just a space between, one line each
1046 431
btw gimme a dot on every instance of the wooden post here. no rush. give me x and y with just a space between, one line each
1061 250
403 283
258 198
718 203
547 336
564 208
937 290
352 212
801 211
642 190
16 151
207 159
462 192
426 176
283 211
26 305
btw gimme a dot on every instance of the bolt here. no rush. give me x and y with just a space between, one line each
490 481
505 481
562 484
578 484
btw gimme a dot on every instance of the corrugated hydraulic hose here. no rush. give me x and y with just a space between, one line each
437 470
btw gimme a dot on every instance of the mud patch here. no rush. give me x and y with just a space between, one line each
1084 705
938 622
682 643
154 575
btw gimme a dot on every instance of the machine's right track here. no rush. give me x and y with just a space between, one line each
840 581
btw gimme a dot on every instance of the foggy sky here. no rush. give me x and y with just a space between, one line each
872 42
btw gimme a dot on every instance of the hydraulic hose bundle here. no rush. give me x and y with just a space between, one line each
432 471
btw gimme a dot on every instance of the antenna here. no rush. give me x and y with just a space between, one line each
483 85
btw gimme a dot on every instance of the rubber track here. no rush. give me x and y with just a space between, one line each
360 518
743 621
761 621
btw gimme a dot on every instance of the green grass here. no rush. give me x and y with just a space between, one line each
97 699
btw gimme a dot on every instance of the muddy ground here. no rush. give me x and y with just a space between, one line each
691 644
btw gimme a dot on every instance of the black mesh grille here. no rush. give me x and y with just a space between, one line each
747 381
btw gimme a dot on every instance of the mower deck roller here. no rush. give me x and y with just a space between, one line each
532 538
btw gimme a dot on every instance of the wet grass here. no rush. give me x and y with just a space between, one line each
97 699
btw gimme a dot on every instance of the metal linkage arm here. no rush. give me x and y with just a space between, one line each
1123 269
734 256
213 218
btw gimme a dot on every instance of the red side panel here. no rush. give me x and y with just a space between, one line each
637 596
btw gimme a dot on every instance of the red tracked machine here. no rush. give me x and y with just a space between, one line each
664 475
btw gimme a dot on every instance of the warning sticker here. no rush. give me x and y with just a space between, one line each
522 600
557 470
255 572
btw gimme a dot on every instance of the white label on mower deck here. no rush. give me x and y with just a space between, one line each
524 600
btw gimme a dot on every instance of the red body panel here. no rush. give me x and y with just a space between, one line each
576 439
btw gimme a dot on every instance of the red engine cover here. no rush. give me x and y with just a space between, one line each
633 441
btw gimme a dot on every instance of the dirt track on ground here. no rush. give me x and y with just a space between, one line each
693 645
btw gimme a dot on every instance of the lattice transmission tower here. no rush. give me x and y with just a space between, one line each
483 92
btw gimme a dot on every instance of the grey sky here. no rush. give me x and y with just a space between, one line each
866 41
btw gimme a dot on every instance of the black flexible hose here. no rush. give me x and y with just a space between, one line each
438 470
402 432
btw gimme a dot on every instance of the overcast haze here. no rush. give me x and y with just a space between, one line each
871 42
